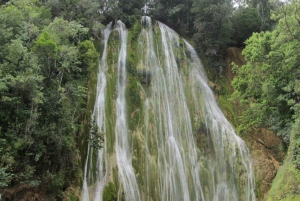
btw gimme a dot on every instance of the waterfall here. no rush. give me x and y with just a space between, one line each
99 117
126 172
231 153
169 140
174 137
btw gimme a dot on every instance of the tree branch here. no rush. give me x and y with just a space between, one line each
287 25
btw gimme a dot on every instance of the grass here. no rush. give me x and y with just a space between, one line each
286 185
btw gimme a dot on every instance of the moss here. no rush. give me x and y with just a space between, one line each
73 198
132 56
133 97
224 100
133 82
258 191
84 133
180 57
286 185
111 77
99 46
158 44
134 90
110 192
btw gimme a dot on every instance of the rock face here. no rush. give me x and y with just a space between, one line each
233 54
266 157
265 146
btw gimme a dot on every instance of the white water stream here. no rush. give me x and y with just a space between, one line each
124 158
190 151
99 117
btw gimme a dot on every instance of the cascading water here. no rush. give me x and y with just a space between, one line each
99 117
125 169
176 150
230 164
170 140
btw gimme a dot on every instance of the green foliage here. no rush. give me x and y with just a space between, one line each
268 82
263 7
55 182
245 21
134 76
96 137
128 11
110 192
213 29
132 37
88 55
229 109
86 12
175 13
5 177
285 186
64 32
44 45
287 182
43 85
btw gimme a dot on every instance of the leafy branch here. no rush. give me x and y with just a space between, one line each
96 136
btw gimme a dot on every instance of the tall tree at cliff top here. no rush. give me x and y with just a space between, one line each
252 16
264 8
213 29
175 13
245 21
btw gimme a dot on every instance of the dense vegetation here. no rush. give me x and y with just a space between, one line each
44 65
48 53
269 82
269 88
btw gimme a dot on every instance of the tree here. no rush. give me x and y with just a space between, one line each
43 79
264 8
213 29
175 13
245 21
88 56
96 137
268 83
